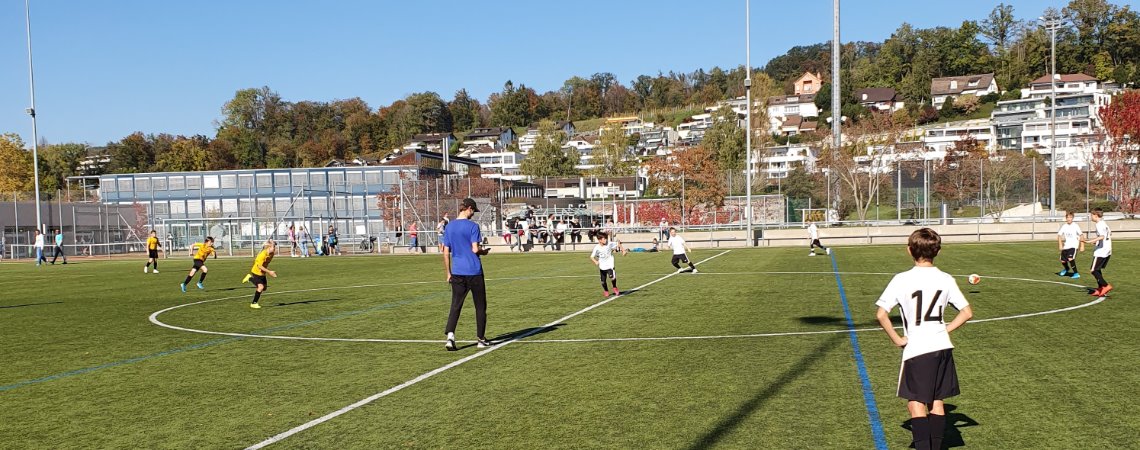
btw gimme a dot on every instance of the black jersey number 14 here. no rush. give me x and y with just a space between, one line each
919 317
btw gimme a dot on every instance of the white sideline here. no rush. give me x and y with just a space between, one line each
394 389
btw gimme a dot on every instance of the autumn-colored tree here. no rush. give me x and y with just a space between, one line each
1121 120
1001 172
956 178
15 165
693 170
860 164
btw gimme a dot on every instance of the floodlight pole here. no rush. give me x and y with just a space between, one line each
748 119
32 112
836 114
1052 23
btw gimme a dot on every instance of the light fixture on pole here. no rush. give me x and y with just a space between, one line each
1052 22
32 112
748 119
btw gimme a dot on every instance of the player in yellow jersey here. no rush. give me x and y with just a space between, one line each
201 251
152 246
261 269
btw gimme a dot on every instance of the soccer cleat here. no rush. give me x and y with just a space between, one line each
606 294
1075 275
246 279
1104 290
617 292
155 271
255 305
450 345
679 270
1096 292
1063 273
811 254
483 343
183 286
146 269
695 270
200 286
828 251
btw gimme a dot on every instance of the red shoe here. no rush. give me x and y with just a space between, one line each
616 292
1096 292
1105 289
606 294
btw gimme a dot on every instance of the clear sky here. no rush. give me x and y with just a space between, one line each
107 68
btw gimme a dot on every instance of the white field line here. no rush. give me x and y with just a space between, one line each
397 388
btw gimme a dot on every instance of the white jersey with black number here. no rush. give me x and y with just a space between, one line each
677 243
605 255
1103 246
1071 233
921 294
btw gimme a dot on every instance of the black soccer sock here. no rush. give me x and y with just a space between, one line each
188 278
1099 278
1073 267
156 264
614 281
920 431
937 430
256 296
202 279
691 266
148 264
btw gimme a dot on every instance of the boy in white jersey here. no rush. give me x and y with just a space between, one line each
603 257
813 236
1101 254
680 248
927 375
1069 242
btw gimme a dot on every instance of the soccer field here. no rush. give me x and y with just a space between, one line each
755 351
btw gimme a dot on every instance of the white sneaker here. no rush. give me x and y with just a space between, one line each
695 270
450 345
680 270
155 270
146 269
829 251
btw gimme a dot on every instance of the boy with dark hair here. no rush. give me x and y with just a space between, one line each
462 247
58 247
1101 254
603 257
813 237
1069 243
680 251
152 246
261 269
928 374
201 251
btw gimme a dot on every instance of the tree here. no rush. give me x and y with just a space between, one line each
185 154
611 156
511 107
132 154
15 165
1121 120
1000 28
464 111
59 161
694 171
1002 172
725 139
860 163
956 178
547 159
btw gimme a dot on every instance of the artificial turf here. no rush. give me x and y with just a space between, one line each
767 362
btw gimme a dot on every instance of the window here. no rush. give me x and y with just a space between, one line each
229 205
229 182
161 208
792 109
142 184
317 179
213 208
264 181
178 208
158 184
194 182
194 207
125 185
177 184
245 181
210 182
245 206
281 180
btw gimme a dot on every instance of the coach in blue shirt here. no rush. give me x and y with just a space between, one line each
461 251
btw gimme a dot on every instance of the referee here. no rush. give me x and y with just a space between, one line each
461 252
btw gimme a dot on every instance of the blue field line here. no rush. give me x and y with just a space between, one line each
868 394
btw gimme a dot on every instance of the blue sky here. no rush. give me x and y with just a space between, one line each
105 69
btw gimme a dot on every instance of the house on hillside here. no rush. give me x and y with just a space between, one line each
1067 84
435 142
795 124
808 83
526 141
781 108
430 164
95 162
359 161
953 87
497 137
879 99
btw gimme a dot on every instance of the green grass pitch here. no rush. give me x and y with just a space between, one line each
84 367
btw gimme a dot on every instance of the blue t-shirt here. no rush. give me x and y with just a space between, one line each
458 236
59 239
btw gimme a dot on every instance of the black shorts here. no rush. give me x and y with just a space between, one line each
1100 262
607 273
680 258
258 279
198 264
929 377
153 254
1068 254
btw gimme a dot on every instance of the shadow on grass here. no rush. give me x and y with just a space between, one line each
823 320
30 304
305 302
954 423
733 420
519 333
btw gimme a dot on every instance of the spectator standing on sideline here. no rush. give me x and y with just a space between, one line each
664 229
292 242
560 234
305 238
40 247
461 251
575 231
413 237
332 240
440 228
58 247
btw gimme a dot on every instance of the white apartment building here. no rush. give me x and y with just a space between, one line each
938 139
498 164
779 161
788 108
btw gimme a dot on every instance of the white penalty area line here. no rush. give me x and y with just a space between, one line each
397 388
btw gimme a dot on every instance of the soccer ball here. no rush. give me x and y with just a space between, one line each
974 278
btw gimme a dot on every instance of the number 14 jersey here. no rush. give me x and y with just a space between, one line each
922 294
